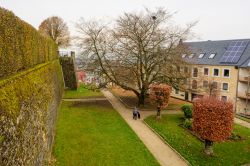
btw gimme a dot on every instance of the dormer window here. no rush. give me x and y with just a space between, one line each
211 56
191 56
184 55
201 55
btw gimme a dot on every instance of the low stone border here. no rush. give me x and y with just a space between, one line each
161 137
86 100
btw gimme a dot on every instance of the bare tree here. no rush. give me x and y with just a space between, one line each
140 49
56 29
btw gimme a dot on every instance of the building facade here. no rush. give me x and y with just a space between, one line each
218 68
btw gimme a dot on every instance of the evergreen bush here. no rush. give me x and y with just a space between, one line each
187 110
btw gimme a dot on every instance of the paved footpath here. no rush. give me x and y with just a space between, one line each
242 122
162 152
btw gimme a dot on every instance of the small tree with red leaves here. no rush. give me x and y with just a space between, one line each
212 121
159 96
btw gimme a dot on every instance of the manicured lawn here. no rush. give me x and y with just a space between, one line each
93 134
82 92
226 153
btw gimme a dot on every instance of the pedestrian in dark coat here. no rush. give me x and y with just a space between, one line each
135 113
138 114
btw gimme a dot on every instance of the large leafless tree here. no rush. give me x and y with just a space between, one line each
56 29
137 50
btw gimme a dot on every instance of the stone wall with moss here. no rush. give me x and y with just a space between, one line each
69 73
28 104
31 87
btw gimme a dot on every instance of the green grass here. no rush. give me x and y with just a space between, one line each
81 93
243 118
93 134
226 153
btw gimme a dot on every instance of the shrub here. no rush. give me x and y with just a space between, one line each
212 120
159 96
187 124
187 109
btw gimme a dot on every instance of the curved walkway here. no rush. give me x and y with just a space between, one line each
161 151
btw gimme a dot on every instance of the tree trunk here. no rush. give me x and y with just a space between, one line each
141 98
158 114
208 147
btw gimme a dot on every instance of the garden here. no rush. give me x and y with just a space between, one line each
205 133
191 148
93 133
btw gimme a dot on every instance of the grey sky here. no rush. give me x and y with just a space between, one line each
218 19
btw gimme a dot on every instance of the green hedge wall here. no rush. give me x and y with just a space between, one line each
31 87
28 106
21 45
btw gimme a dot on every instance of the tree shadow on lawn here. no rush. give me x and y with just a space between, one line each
105 104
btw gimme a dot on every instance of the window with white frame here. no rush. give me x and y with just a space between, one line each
211 56
191 56
195 72
186 69
205 84
226 73
206 71
194 84
214 85
224 86
216 72
201 55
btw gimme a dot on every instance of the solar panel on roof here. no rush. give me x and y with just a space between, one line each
234 51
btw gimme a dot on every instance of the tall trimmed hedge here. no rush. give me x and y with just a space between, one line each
21 45
31 88
28 108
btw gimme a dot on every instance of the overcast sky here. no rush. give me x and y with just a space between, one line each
218 19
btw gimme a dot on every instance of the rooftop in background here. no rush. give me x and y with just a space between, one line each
221 52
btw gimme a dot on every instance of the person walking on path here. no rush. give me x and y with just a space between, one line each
138 114
135 113
164 154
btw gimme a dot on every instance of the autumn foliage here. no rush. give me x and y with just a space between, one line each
212 119
159 95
